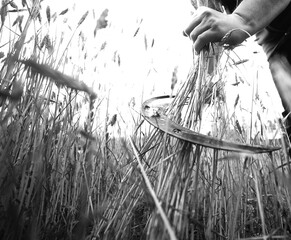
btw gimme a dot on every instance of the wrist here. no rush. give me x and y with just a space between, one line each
246 24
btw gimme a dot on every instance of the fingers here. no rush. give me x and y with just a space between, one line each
203 39
197 18
201 35
200 30
194 23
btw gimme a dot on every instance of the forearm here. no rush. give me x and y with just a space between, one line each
257 14
251 16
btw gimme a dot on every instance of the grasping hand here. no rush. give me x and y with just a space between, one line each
209 25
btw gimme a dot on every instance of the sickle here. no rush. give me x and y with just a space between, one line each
161 121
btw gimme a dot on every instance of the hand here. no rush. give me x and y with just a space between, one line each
209 26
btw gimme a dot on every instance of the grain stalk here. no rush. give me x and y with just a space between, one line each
153 194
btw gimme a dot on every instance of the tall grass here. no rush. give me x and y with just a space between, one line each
64 176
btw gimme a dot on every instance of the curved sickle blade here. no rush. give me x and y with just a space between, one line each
162 122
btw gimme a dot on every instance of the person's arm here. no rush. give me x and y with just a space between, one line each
257 14
250 17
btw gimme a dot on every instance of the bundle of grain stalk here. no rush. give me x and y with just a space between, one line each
182 168
184 196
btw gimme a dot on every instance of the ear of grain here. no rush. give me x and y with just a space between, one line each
58 77
83 18
48 14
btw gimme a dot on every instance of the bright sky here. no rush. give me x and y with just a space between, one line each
150 71
145 73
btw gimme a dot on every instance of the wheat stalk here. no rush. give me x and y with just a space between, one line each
152 193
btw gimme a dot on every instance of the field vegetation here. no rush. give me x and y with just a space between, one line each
73 168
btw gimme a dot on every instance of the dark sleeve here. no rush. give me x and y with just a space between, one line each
276 37
283 22
230 5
